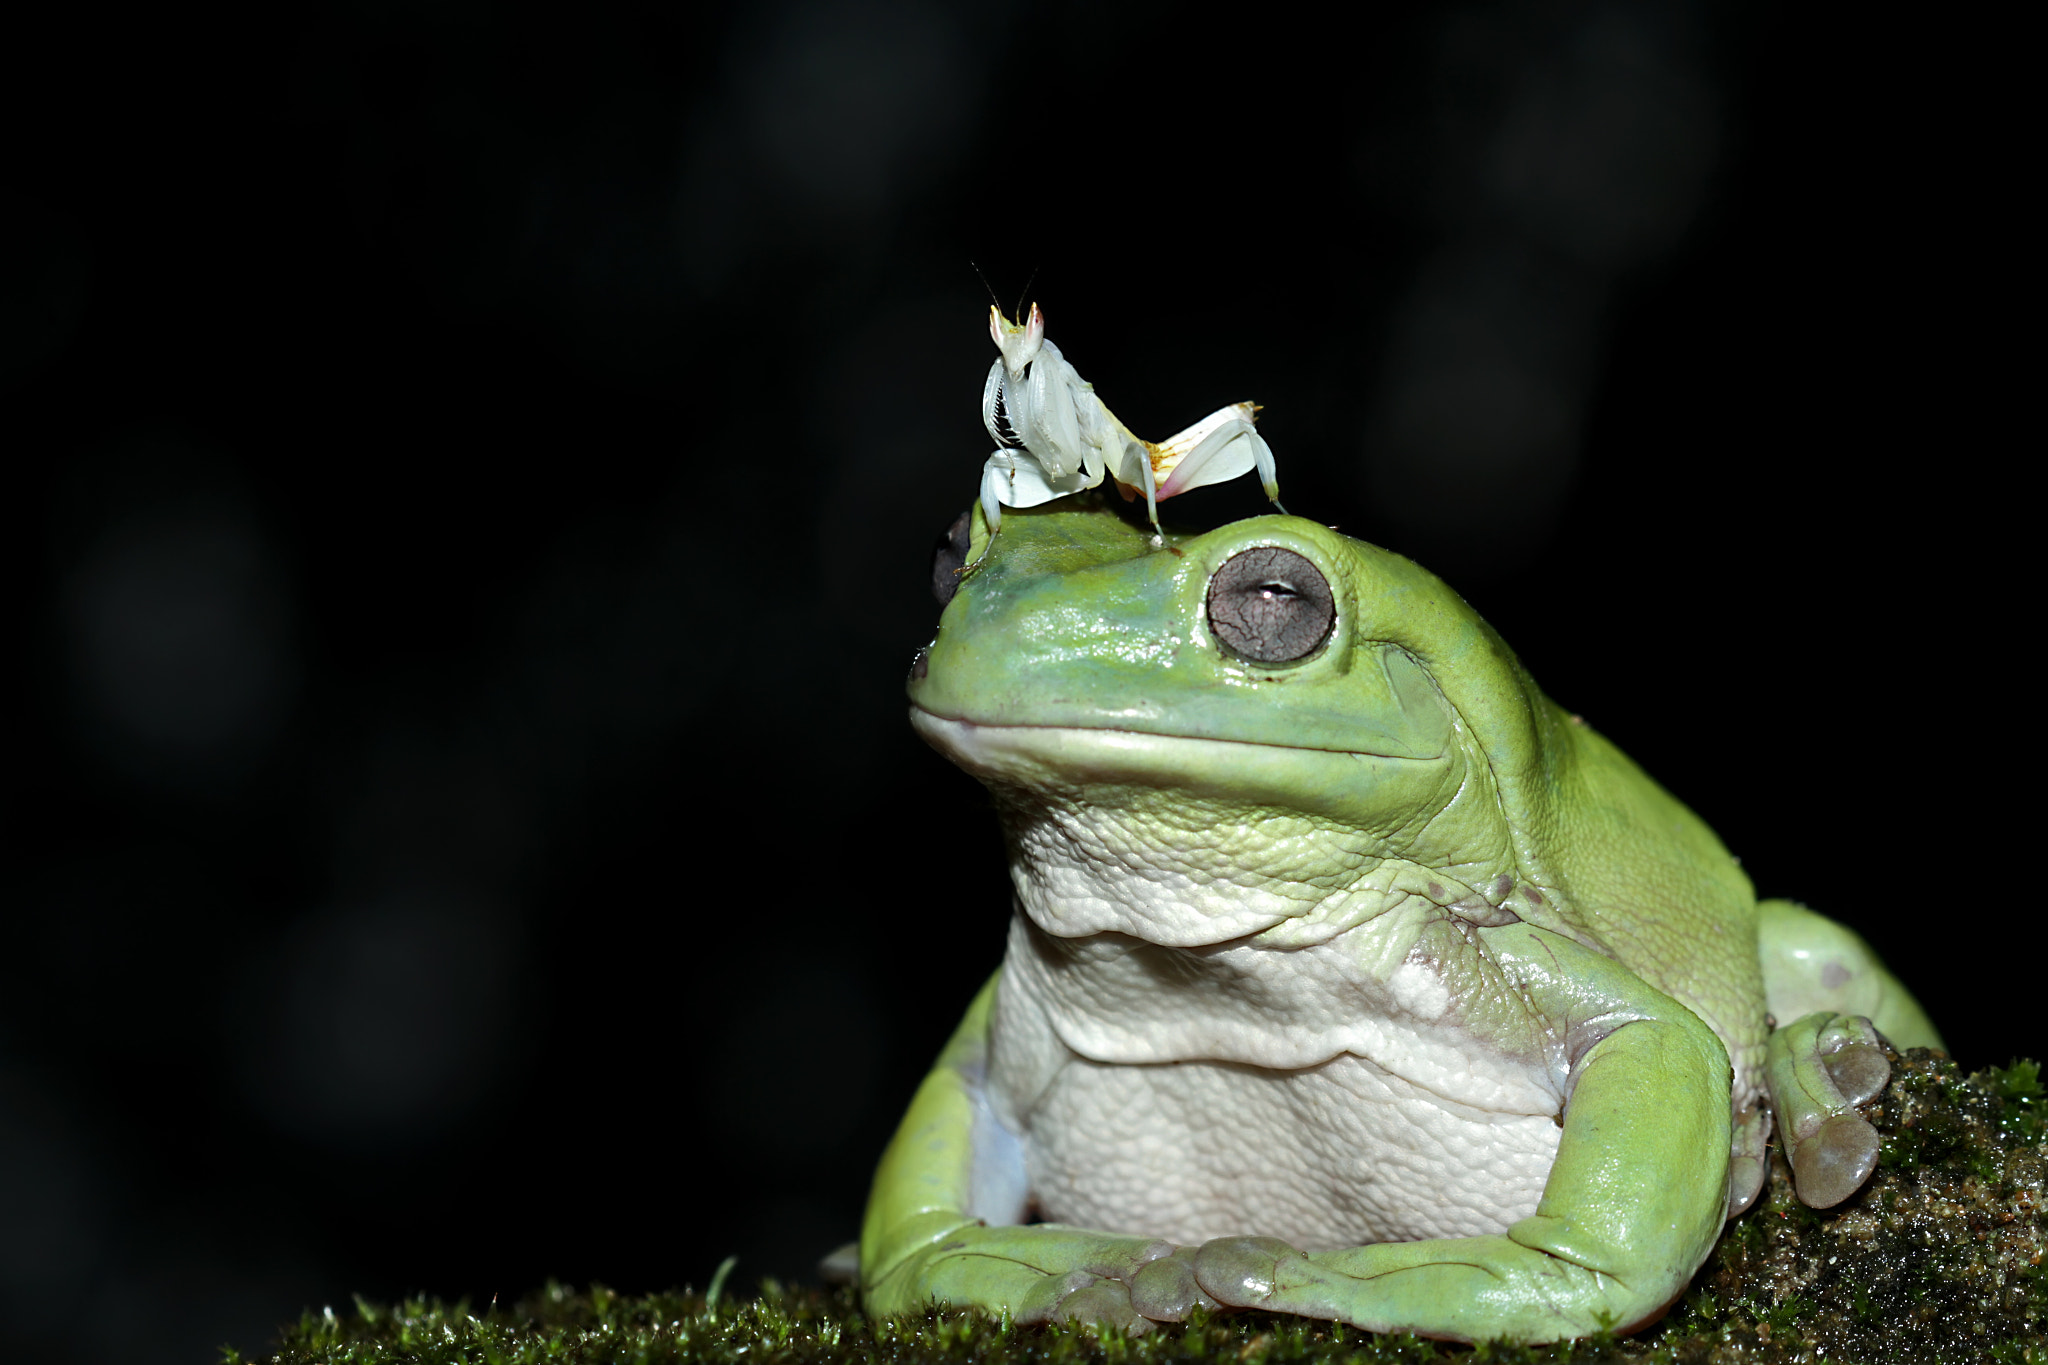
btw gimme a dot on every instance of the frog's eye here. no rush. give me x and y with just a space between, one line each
1270 606
949 556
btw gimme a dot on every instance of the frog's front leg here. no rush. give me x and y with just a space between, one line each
941 1222
1631 1207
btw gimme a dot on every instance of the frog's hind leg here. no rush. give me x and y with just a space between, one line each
1812 963
1833 999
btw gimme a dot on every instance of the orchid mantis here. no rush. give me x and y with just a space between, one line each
1054 436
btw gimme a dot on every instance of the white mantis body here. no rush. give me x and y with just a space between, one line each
1061 439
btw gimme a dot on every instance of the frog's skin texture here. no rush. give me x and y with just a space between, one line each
1348 976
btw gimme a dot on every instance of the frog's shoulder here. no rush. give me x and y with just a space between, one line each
1638 875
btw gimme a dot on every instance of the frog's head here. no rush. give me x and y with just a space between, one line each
1204 741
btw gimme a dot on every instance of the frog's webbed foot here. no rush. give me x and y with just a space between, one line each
1162 1289
951 1171
1819 1069
1167 1290
1048 1273
1259 1272
1460 1289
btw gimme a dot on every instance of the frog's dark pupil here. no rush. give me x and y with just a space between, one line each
1270 605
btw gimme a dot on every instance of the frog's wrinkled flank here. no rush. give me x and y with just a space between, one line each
1348 976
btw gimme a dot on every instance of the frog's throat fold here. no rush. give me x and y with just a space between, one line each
1352 789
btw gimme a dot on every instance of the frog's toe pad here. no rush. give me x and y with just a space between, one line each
1166 1290
1106 1302
1243 1272
1080 1296
1833 1164
1859 1070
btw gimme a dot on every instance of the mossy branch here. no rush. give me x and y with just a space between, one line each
1938 1258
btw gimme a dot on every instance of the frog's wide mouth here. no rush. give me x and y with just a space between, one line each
1056 756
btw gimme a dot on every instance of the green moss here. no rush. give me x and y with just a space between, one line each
1939 1258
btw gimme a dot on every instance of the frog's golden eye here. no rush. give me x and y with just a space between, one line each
1269 605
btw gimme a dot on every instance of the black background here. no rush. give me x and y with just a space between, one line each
472 476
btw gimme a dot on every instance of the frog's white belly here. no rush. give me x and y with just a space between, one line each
1190 1094
1328 1156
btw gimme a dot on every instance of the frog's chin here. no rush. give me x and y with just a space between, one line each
1116 831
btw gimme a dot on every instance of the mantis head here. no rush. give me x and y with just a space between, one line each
1019 345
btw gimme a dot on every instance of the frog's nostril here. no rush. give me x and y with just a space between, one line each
921 665
1270 605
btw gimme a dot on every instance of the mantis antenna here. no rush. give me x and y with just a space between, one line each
991 289
1018 311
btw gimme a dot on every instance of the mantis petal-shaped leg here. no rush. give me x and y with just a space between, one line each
1050 430
1094 463
1269 475
1103 438
1143 460
995 487
1015 478
1059 422
1219 455
1216 449
1031 484
1819 1068
941 1218
1632 1205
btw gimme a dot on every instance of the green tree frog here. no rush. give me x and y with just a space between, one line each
1348 975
